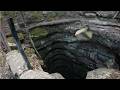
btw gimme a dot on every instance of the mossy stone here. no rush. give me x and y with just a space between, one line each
39 32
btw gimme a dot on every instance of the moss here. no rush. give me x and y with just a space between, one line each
29 51
11 39
60 13
36 15
12 14
21 36
51 16
39 32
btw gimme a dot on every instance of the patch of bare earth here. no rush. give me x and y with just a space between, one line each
35 62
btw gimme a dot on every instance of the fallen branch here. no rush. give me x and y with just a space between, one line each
55 22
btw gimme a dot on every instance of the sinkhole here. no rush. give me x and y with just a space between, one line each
62 52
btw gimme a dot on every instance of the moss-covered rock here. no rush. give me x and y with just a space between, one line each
11 39
39 32
37 15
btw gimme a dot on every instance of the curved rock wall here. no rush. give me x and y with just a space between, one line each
62 52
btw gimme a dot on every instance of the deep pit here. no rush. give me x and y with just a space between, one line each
62 52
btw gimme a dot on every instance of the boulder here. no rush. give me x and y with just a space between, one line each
16 62
36 74
5 72
57 76
19 68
